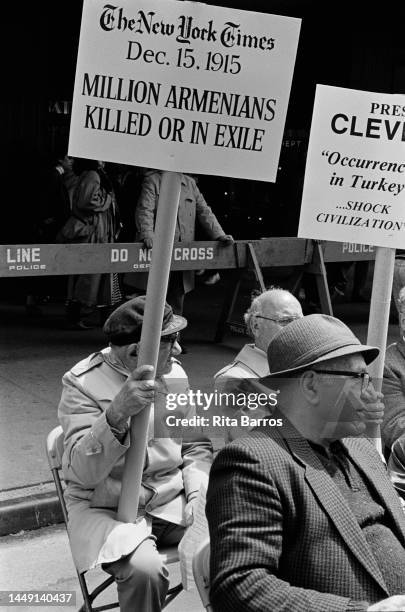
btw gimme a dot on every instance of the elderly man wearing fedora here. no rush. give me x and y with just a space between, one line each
99 396
302 515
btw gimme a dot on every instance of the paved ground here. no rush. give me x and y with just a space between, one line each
40 560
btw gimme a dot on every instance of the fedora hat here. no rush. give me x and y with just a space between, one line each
310 340
124 325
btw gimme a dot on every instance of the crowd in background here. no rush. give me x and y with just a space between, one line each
78 200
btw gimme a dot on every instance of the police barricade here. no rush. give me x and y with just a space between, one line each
348 251
60 259
306 255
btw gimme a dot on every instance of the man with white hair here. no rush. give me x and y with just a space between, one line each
268 313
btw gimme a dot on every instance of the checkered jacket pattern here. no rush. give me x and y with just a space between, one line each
282 535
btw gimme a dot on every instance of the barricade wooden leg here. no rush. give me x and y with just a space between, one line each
296 281
256 268
228 305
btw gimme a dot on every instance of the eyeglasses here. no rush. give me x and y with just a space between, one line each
363 376
172 338
281 321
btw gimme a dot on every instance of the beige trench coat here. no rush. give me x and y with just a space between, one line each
93 464
250 362
241 377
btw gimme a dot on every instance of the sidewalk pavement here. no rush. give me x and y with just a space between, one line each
34 354
40 560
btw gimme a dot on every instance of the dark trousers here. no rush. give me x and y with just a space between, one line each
175 292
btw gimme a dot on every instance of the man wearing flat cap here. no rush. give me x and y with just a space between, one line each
99 396
302 516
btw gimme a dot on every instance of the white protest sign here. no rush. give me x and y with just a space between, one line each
354 189
183 86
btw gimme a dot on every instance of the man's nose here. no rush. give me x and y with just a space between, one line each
176 348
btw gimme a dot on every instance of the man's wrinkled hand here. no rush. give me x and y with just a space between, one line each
373 407
226 239
148 242
136 394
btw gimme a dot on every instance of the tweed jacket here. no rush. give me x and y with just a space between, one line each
393 388
93 464
192 208
282 535
241 376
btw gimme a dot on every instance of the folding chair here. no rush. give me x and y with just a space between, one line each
201 573
54 450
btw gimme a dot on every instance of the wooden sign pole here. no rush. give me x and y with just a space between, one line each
378 321
150 339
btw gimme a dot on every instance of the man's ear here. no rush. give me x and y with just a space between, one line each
309 386
254 327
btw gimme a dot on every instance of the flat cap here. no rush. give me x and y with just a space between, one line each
124 325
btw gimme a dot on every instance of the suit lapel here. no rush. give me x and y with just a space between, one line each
335 505
377 476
